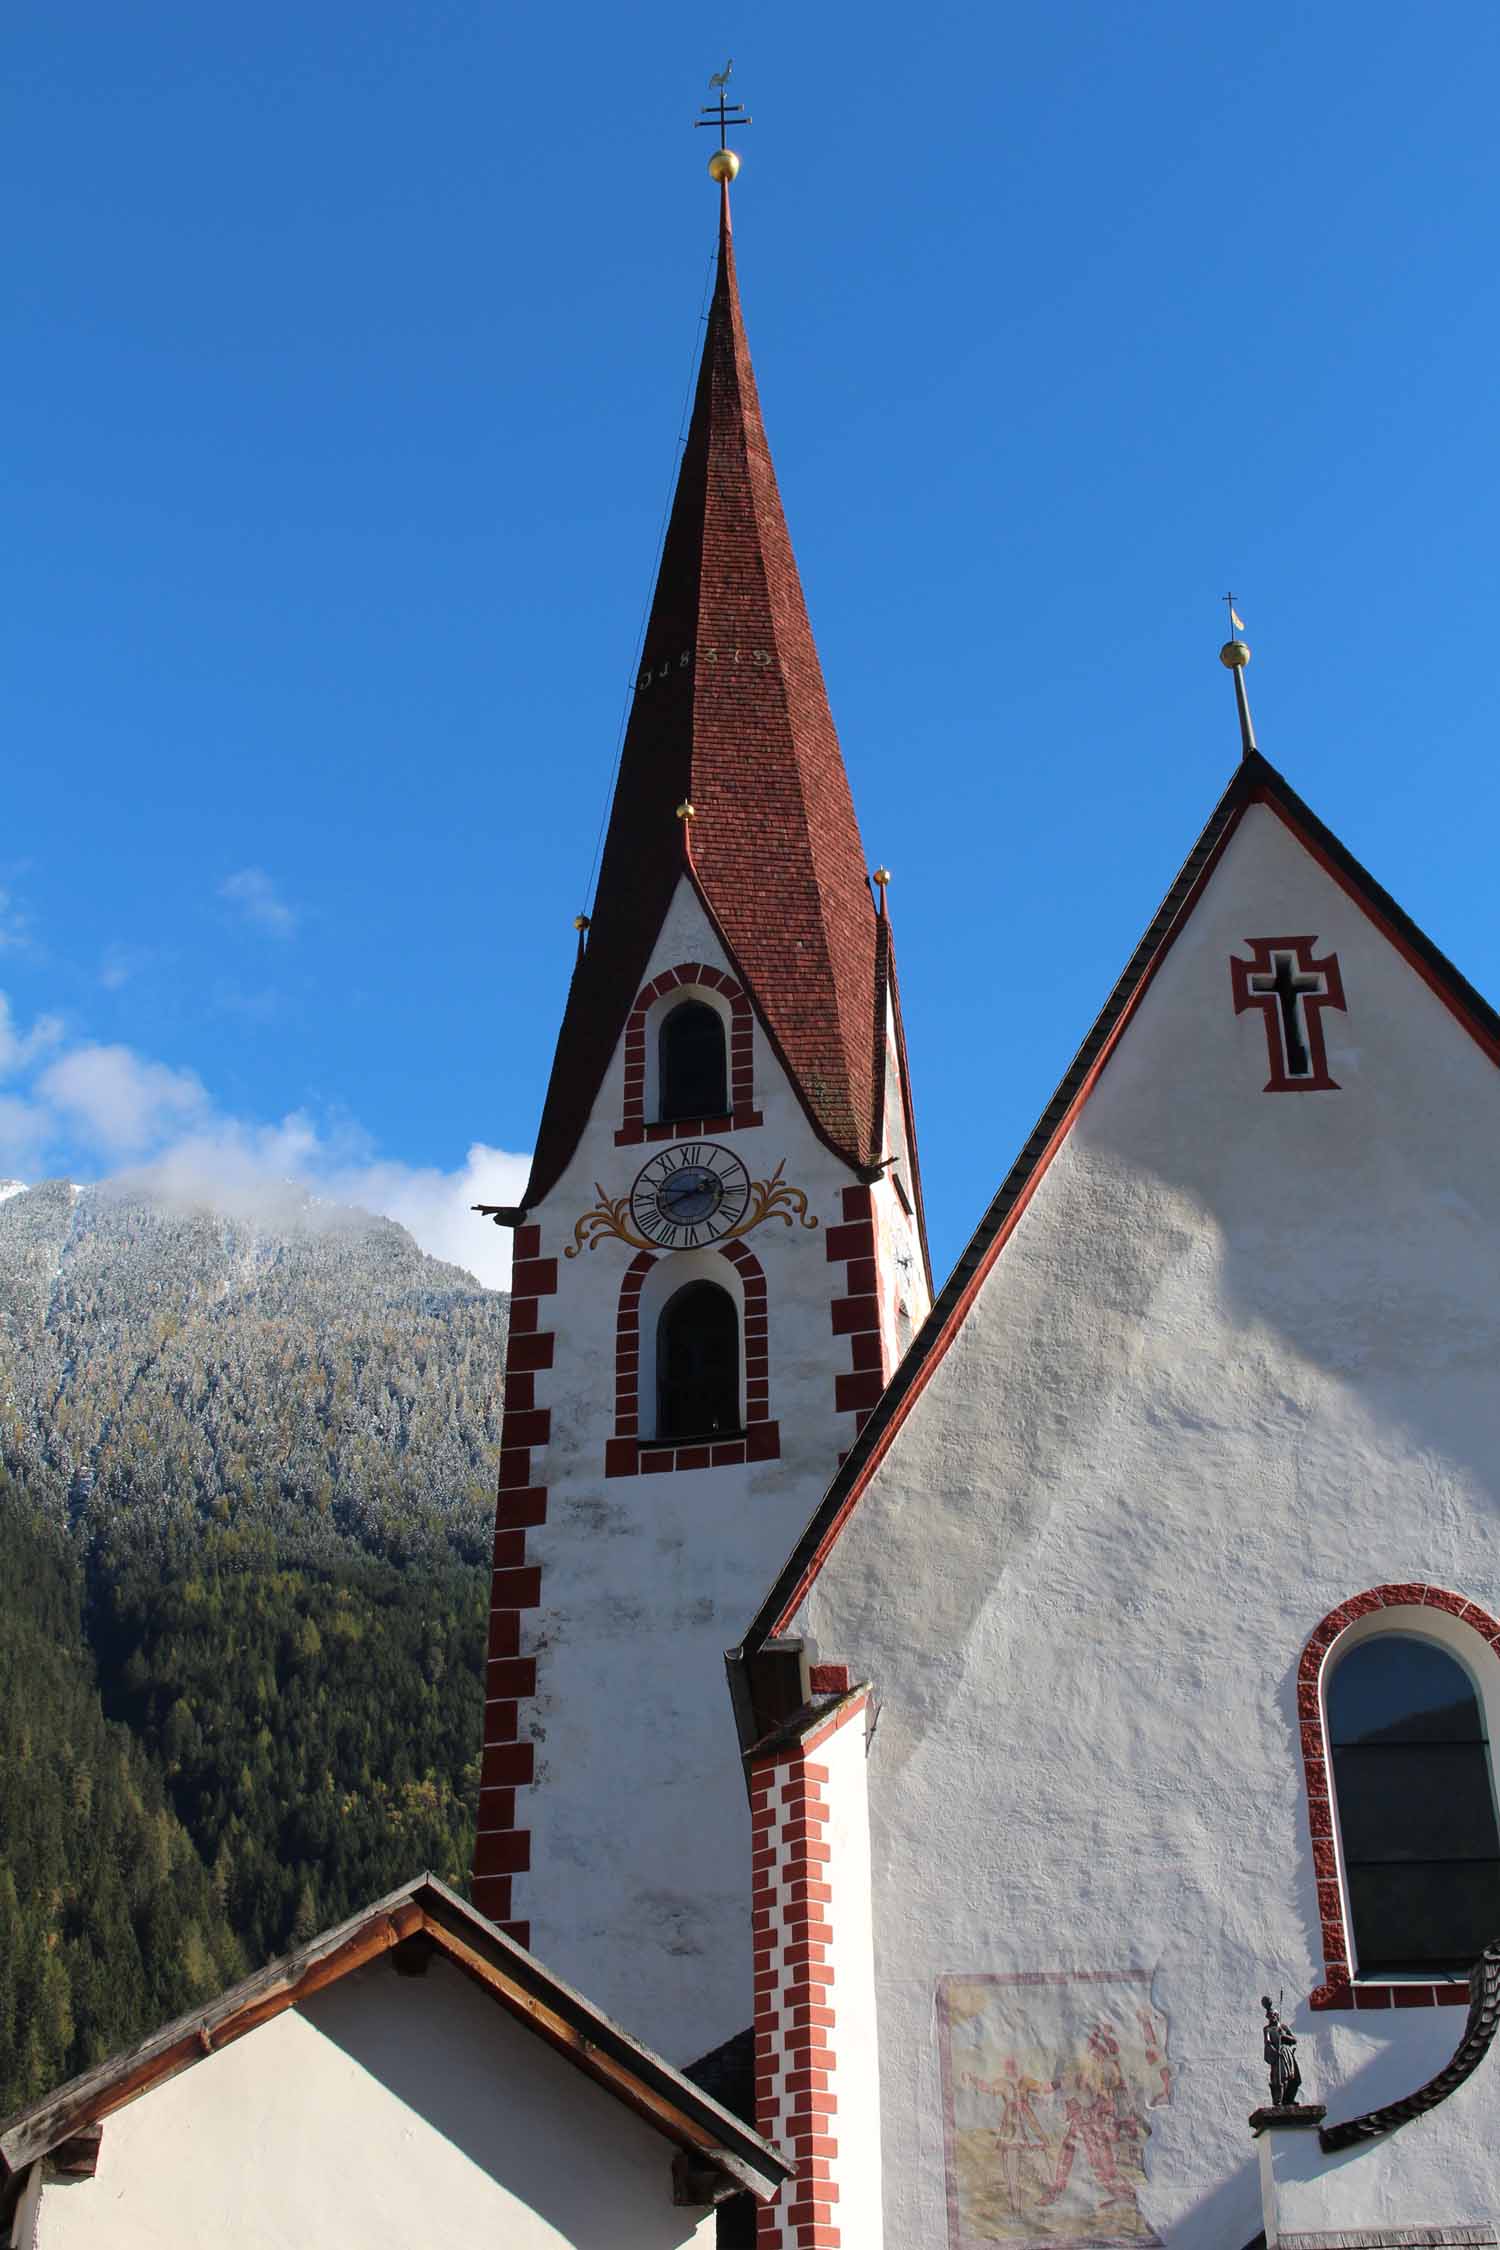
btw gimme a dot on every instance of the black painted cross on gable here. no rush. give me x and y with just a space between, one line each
1291 987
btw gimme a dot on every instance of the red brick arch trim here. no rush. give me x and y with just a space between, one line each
633 1127
1339 1988
627 1453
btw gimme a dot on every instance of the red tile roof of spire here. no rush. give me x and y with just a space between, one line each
732 715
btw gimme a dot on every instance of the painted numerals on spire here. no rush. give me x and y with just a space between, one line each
751 659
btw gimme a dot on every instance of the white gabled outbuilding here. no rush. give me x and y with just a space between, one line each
1163 1588
410 2078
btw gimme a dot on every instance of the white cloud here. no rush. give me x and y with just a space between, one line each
117 1102
120 1108
265 1171
255 896
18 1050
437 1206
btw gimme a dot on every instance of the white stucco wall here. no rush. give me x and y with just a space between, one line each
851 1956
1237 1363
402 2111
638 1890
1433 2164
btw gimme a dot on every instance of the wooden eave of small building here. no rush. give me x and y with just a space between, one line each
422 1917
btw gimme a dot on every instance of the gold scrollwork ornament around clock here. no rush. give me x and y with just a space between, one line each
690 1194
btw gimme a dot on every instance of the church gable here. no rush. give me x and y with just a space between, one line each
690 961
1286 1057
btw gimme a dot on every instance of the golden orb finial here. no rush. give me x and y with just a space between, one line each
687 811
580 922
1236 654
723 165
882 876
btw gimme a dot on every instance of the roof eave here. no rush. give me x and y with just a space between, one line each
656 2091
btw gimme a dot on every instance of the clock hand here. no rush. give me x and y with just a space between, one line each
679 1190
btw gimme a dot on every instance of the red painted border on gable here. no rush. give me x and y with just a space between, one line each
1340 1988
502 1847
857 1313
1482 1038
796 2101
635 1127
628 1453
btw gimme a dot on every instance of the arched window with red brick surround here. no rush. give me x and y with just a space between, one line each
1398 1694
648 1286
645 1116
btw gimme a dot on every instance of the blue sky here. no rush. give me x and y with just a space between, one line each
345 351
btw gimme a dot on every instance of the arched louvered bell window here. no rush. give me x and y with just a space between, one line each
697 1364
691 1062
1416 1807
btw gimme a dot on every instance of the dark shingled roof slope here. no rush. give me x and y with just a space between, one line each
732 715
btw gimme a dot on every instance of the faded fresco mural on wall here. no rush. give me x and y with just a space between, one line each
1048 2082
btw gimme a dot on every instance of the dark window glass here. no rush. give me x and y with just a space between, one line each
1411 1769
697 1364
690 1062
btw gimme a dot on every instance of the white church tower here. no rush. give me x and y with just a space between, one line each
720 1259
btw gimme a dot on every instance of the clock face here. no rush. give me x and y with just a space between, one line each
693 1192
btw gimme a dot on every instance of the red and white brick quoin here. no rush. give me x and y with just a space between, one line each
816 2072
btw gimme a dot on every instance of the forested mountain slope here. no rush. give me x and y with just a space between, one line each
309 1367
108 1918
246 1493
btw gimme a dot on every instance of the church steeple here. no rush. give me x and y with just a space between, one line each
719 1260
731 716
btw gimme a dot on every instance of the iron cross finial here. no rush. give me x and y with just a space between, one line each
722 112
1236 622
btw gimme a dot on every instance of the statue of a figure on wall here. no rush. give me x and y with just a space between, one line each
1280 2048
